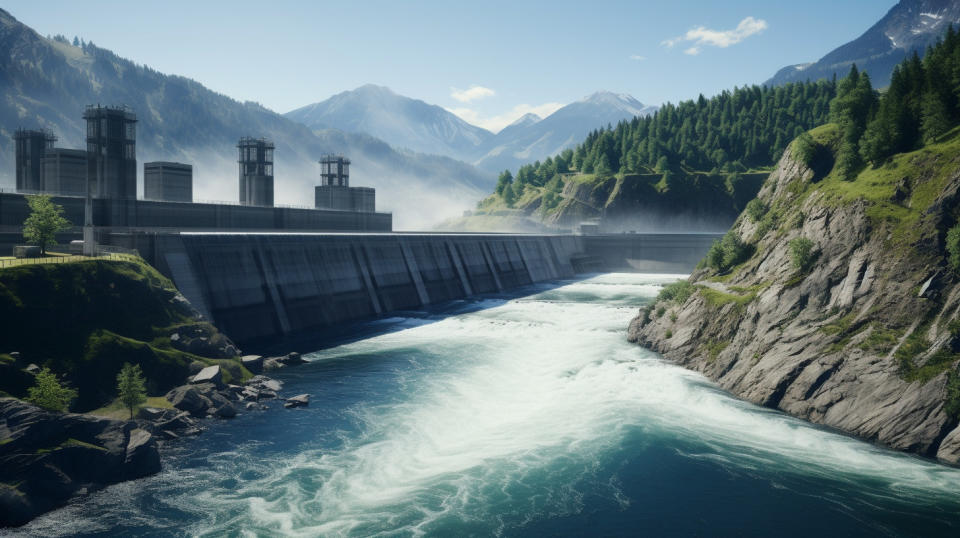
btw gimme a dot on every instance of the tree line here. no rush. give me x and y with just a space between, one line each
734 131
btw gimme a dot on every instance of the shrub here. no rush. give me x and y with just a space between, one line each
728 252
805 149
801 253
679 291
49 394
756 210
953 247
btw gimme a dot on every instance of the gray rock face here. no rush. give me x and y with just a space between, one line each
843 344
210 374
51 456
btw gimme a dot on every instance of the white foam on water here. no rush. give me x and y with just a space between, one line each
525 400
516 410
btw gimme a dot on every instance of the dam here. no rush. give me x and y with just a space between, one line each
259 286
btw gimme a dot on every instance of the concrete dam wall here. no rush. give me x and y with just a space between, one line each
260 286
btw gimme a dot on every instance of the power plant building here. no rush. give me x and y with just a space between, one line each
65 172
30 147
335 192
168 181
112 151
256 171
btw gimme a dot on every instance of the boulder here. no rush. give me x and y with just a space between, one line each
190 398
226 410
181 421
151 413
32 369
262 382
250 406
196 367
293 358
141 454
254 363
210 374
301 400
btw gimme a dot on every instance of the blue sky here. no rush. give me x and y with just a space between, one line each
516 57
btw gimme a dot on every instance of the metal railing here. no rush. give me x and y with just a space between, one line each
70 258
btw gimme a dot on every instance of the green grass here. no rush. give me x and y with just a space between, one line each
714 348
71 442
719 299
740 297
880 340
116 410
840 326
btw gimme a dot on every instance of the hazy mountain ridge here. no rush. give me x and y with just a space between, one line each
911 25
414 124
401 121
46 83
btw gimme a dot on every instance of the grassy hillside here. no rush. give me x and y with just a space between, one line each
85 319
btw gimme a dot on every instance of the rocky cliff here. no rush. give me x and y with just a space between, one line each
840 306
46 458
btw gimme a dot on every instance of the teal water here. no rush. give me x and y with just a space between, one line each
519 417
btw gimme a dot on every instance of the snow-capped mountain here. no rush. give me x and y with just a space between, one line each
911 25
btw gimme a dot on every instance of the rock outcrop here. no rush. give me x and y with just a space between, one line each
863 334
46 458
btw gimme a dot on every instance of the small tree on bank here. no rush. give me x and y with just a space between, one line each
131 386
48 393
45 221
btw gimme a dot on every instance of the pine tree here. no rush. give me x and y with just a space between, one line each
48 393
131 387
509 195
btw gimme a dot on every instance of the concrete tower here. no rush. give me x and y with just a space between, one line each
31 146
111 151
256 171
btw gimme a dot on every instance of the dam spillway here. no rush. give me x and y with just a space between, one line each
259 286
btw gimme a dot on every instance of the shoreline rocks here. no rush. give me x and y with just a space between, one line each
47 458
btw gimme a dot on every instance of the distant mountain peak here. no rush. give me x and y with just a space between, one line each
911 25
527 119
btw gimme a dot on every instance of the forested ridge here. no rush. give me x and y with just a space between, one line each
747 128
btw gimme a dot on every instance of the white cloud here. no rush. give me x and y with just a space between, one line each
637 57
471 94
499 121
702 36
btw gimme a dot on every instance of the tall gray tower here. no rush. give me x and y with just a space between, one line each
256 171
111 151
31 146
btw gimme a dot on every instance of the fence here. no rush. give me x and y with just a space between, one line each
113 256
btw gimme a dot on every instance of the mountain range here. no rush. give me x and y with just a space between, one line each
47 82
411 123
911 25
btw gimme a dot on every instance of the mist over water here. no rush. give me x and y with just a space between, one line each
529 416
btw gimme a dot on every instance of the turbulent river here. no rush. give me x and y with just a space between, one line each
519 416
